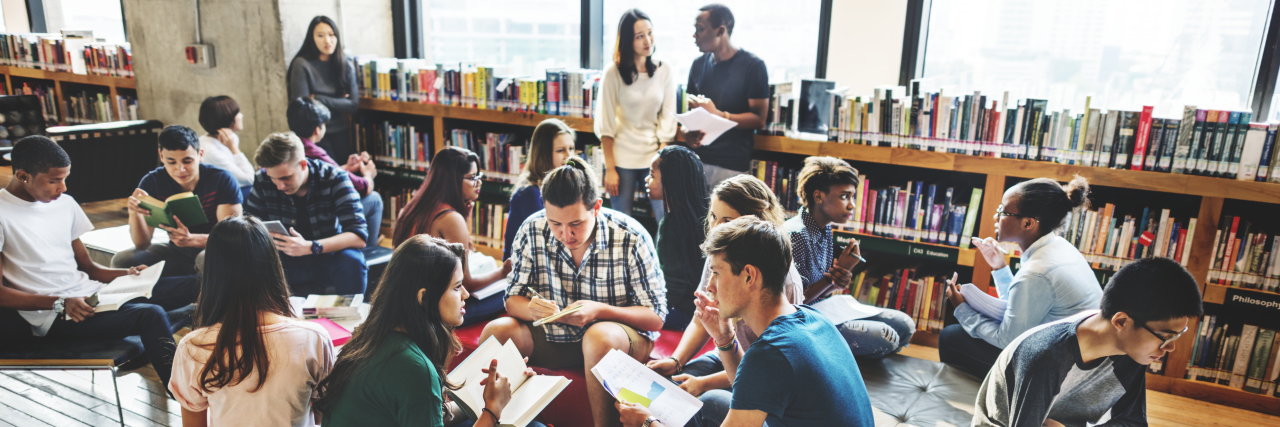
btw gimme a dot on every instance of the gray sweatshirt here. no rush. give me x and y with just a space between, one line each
315 77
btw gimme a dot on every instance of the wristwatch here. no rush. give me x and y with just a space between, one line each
316 247
648 421
60 305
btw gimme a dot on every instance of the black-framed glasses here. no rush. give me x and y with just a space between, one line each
475 179
1001 213
1164 342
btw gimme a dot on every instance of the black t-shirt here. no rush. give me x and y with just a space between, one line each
215 187
730 84
303 224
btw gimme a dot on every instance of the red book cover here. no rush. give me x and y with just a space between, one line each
902 289
869 212
1144 130
1228 258
883 295
1182 240
337 333
912 303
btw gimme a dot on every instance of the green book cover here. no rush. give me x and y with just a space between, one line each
975 202
186 206
1258 363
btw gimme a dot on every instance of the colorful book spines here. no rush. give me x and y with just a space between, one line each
906 291
561 93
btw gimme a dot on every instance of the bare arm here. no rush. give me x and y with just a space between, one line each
139 231
95 271
342 241
195 419
518 307
754 117
454 229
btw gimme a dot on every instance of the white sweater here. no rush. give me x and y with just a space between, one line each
639 116
219 155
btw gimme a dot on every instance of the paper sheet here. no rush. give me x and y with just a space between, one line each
127 288
711 125
984 303
491 290
629 381
843 308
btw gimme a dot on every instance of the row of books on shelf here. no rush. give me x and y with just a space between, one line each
917 212
1244 256
918 295
1236 355
87 107
44 92
502 155
488 223
783 180
394 145
560 92
68 54
1109 241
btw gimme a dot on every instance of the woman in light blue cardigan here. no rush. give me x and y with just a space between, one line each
1053 282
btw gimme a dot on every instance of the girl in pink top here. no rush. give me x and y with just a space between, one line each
249 361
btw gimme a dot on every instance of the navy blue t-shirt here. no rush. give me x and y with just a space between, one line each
795 375
216 187
729 84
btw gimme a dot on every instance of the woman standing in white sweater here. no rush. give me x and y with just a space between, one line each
636 116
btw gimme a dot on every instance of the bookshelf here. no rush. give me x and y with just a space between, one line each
999 174
115 86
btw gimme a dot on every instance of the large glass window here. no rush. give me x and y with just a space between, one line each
783 34
516 37
104 17
1126 54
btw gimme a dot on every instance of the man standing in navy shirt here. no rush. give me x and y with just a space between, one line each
791 375
182 172
736 85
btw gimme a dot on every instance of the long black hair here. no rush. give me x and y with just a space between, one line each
309 50
625 54
684 192
241 280
443 184
422 262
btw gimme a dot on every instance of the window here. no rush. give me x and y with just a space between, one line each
785 37
516 37
1165 53
105 18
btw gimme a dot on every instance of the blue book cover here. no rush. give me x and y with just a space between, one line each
956 225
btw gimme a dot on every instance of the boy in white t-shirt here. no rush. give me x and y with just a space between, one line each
47 272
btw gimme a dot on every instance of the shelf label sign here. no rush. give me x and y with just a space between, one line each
895 247
1253 305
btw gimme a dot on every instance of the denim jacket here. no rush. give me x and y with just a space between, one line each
1053 283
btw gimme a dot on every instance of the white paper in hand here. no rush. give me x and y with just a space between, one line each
629 381
711 125
128 287
983 303
843 308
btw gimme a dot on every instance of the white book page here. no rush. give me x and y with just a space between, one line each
129 284
532 396
628 380
843 308
510 365
491 290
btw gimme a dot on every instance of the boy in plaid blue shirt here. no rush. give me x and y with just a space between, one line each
575 253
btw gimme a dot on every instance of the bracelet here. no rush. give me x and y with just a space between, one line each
728 347
495 416
679 366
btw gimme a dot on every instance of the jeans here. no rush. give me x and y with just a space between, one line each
715 174
179 261
146 318
704 365
715 408
629 181
962 351
372 205
879 335
479 310
677 320
336 273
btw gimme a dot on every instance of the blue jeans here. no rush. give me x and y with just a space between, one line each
372 205
879 335
629 181
479 310
336 273
677 320
962 351
715 408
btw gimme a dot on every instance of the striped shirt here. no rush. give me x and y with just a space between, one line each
620 268
333 205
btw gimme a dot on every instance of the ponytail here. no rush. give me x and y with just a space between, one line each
1049 202
572 183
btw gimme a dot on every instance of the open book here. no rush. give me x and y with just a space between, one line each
126 288
529 394
984 303
186 206
629 381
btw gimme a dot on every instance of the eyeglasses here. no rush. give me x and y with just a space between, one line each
475 179
1166 341
1001 213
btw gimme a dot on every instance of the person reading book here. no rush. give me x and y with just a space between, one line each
552 143
1075 370
392 371
307 119
49 280
213 188
249 360
220 117
1054 281
827 187
321 71
791 375
579 256
735 84
675 177
735 197
440 208
316 201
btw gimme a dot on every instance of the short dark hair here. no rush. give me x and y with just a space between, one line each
820 173
1152 290
178 138
305 115
37 153
751 240
719 15
572 183
218 112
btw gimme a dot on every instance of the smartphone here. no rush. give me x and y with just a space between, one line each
276 227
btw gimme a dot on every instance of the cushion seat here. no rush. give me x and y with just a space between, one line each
63 352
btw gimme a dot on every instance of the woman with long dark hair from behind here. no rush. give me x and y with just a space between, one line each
392 372
552 143
440 208
675 178
322 72
248 361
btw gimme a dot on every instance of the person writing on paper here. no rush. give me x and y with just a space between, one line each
182 172
392 371
675 177
306 118
791 375
735 84
579 256
220 117
635 112
48 275
1078 369
827 187
552 143
733 198
321 209
440 208
1054 281
249 360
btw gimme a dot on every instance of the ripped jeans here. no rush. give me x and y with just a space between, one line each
879 335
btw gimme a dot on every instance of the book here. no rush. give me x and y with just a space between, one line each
529 395
333 307
629 381
338 334
1258 361
186 206
1240 364
975 200
126 288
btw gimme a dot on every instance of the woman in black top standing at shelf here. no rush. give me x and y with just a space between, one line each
322 72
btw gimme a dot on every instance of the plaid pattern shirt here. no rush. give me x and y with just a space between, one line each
810 246
620 268
333 205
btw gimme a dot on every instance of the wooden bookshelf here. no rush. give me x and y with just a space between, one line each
113 85
997 172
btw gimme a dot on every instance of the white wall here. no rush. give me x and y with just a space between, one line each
365 25
865 48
